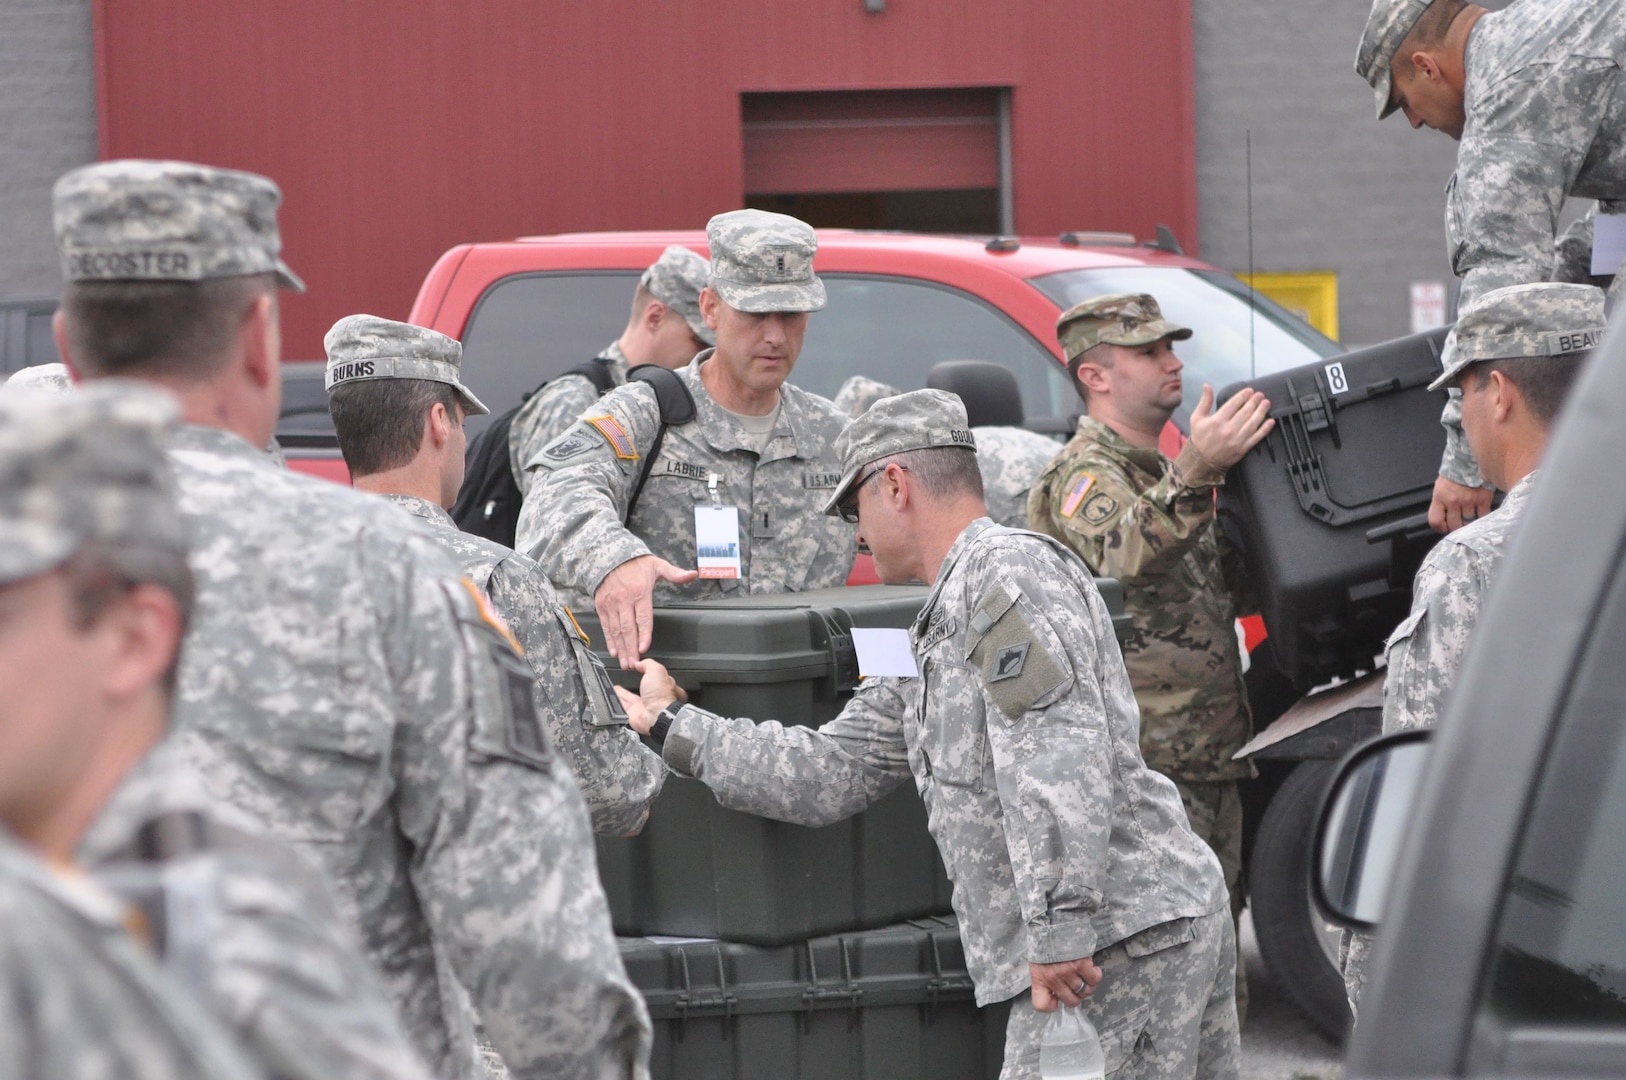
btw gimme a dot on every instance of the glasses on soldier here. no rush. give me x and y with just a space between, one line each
848 507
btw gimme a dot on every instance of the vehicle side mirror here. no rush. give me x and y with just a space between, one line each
1363 825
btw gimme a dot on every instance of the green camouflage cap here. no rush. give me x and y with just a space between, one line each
1386 27
762 262
361 347
918 420
1128 319
1541 319
82 467
675 279
167 221
53 377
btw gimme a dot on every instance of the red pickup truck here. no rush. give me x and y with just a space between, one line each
530 308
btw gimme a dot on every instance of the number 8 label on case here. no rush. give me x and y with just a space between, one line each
1336 381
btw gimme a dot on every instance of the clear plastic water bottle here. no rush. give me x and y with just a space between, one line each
1070 1049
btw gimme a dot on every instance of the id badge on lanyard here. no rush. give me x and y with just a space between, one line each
717 536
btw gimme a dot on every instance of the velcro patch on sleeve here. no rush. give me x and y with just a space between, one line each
1099 509
1017 668
1075 494
569 445
610 428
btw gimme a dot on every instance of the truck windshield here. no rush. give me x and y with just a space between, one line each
1214 304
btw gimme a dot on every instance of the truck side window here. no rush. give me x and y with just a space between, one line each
1560 956
896 329
527 328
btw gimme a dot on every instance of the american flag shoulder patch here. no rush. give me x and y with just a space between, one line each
1075 497
619 442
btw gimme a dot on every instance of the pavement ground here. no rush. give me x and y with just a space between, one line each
1278 1043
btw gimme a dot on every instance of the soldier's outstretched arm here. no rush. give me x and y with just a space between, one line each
571 522
581 482
503 859
618 775
805 776
1049 737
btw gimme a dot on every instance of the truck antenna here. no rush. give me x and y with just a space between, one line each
1253 363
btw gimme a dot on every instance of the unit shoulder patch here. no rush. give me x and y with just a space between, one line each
568 446
1099 509
609 427
1016 667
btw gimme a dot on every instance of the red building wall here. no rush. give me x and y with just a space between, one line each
398 128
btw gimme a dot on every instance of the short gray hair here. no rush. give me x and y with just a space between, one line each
943 472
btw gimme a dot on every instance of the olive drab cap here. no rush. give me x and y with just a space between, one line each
1386 27
762 262
362 347
918 420
1128 319
675 279
83 467
167 221
1522 321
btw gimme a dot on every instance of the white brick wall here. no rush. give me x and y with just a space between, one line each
47 126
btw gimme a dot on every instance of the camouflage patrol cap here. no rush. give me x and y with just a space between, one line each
82 467
45 377
860 392
1386 27
675 279
918 420
1540 319
1128 319
763 262
361 347
167 221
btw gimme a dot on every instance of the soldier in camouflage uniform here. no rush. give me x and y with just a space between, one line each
758 446
1536 95
1515 353
398 406
81 1000
665 328
1134 515
1010 458
1072 863
94 553
341 686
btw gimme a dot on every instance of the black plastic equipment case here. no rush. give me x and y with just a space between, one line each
1330 511
700 870
888 1004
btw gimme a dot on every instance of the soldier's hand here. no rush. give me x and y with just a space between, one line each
1223 435
1455 505
1068 983
625 600
656 690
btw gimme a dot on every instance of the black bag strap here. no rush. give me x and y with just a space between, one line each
676 406
596 372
